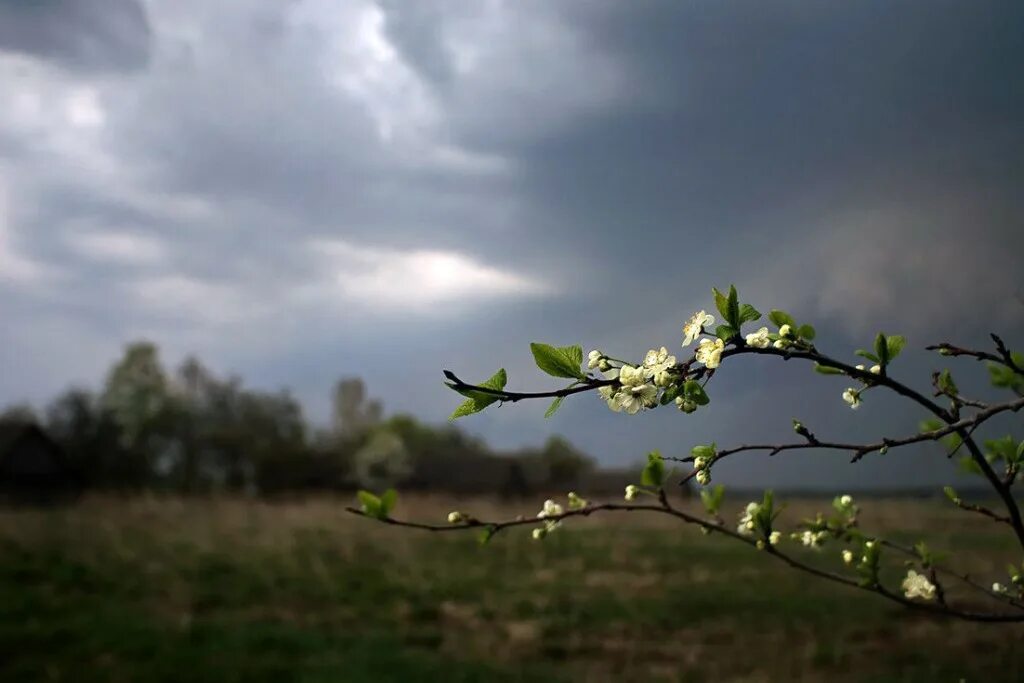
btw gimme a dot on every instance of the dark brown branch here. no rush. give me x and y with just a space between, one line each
587 384
861 449
664 508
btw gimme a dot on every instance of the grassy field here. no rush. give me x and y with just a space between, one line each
166 590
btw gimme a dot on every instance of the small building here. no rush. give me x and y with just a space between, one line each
33 467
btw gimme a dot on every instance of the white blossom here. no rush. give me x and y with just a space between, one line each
876 370
848 556
860 366
785 331
594 359
704 477
918 586
780 343
747 525
759 339
633 399
710 352
631 492
575 502
813 539
551 509
539 533
454 517
998 587
695 325
846 500
852 396
658 360
774 537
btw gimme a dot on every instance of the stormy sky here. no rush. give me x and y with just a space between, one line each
298 191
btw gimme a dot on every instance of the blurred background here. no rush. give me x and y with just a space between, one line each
239 242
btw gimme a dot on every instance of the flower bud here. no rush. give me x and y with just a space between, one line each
785 331
455 517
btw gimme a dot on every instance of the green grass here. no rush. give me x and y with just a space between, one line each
149 590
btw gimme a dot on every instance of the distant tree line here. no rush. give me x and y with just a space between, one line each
191 431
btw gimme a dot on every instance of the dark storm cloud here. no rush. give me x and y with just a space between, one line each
286 187
93 35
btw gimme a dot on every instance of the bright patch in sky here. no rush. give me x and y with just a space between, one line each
392 278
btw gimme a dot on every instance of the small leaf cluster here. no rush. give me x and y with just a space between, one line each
378 507
733 313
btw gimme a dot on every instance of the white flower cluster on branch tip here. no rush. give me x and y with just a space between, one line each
918 586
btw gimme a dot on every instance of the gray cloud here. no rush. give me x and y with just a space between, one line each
94 35
303 190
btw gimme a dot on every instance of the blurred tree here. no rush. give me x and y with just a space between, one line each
20 413
136 397
352 412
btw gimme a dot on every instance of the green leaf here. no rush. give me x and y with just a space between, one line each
704 451
931 424
806 332
749 314
654 471
894 345
558 361
733 304
693 391
721 303
1020 451
670 394
951 493
780 318
827 369
371 503
946 383
486 534
967 464
867 354
478 400
388 499
712 498
725 332
555 405
882 349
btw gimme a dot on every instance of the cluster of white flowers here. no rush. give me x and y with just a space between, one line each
597 360
550 509
852 396
575 502
811 539
773 539
747 525
658 365
703 466
759 339
918 586
785 335
710 352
